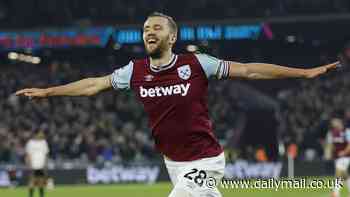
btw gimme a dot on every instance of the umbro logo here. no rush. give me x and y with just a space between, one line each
149 77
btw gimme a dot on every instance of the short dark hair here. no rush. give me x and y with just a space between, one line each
171 22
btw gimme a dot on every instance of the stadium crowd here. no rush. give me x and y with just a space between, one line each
309 109
104 125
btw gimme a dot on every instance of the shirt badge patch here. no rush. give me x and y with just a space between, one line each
184 72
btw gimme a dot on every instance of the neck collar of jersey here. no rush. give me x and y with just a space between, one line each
170 64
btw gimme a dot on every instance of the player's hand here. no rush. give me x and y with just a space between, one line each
314 72
33 93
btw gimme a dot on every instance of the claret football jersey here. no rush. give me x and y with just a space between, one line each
175 98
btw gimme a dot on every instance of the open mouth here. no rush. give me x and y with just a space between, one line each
152 41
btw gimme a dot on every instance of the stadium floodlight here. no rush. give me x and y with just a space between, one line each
12 55
36 60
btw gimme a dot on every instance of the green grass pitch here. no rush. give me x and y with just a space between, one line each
156 190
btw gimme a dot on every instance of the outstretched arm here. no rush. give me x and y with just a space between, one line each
84 87
271 71
119 79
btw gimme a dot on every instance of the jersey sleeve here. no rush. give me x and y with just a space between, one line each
347 135
213 66
121 77
28 147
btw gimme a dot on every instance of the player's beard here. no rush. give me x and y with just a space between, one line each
157 52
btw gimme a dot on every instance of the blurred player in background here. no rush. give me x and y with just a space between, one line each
36 159
339 137
173 89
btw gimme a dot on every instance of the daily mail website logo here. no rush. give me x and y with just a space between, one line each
179 89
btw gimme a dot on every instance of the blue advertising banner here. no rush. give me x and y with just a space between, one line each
98 36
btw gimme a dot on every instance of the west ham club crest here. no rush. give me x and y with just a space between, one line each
184 72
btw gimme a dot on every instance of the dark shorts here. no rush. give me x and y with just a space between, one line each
38 173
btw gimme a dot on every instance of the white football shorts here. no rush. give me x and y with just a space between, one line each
342 163
199 178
